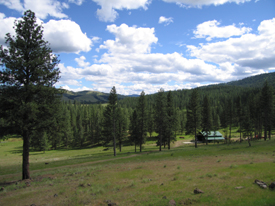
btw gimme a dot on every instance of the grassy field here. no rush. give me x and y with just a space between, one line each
94 177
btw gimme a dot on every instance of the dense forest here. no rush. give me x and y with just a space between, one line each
133 119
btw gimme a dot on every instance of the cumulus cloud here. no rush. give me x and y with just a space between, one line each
63 35
81 61
130 65
42 8
6 25
66 36
251 51
200 3
77 2
165 20
211 29
108 12
12 4
130 39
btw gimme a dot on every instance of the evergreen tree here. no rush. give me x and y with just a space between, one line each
267 108
107 129
239 114
171 119
160 116
150 122
247 125
110 119
67 132
121 127
193 114
142 119
28 73
134 132
97 125
206 123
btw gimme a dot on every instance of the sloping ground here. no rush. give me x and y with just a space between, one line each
156 178
87 97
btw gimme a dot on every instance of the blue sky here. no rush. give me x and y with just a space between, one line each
138 45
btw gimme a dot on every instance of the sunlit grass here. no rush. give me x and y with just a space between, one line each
93 176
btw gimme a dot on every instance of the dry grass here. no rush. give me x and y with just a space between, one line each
154 179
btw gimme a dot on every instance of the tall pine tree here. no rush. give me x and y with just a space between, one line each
28 73
193 114
142 119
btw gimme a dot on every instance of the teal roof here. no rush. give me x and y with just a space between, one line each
212 134
215 138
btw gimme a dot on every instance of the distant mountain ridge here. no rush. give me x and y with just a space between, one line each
94 97
88 97
256 81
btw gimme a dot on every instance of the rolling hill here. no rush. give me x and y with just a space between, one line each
94 97
88 97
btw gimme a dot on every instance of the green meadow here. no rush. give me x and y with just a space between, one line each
94 177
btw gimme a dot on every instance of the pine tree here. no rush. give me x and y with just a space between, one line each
160 116
206 123
121 127
150 121
134 132
142 119
239 115
193 114
28 73
171 119
110 119
267 108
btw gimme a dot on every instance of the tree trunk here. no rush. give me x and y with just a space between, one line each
114 138
140 144
135 148
25 165
169 143
265 133
196 137
160 141
248 140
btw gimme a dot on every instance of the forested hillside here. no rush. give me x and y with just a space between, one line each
94 97
87 97
132 120
255 81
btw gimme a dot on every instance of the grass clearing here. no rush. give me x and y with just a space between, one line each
95 177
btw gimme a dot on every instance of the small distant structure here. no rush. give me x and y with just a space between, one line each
211 136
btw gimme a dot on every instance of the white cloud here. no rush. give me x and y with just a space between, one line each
130 39
77 2
42 8
200 3
66 36
165 20
129 61
108 9
63 35
6 25
13 4
211 29
253 52
130 65
81 62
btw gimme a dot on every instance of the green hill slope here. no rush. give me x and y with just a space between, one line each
87 97
255 81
